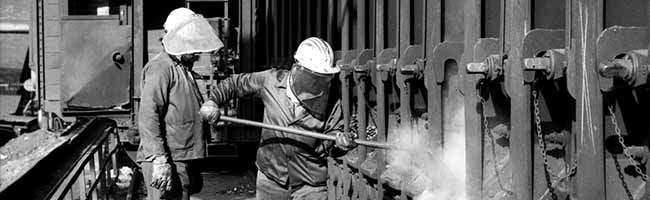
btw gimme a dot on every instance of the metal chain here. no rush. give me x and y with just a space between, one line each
620 176
621 140
542 145
573 169
486 131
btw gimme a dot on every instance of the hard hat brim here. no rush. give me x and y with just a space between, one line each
193 36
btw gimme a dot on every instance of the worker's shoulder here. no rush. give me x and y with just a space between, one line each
274 74
158 64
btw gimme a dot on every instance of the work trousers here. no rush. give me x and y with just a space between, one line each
268 189
186 180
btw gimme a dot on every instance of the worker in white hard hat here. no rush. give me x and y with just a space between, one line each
292 166
171 130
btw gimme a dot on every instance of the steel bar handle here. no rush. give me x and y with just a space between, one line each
302 132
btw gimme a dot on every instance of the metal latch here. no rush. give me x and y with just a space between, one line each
627 67
551 63
491 67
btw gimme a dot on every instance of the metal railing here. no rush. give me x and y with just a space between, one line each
91 177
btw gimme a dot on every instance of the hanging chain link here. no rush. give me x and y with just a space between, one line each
620 176
486 131
626 150
542 145
573 169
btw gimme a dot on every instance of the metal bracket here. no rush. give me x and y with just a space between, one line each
543 52
621 54
491 66
551 63
627 67
386 63
410 66
441 54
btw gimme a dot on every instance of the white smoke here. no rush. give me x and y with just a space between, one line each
427 173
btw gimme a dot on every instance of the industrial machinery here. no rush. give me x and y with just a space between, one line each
546 99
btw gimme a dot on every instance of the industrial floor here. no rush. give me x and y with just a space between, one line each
224 180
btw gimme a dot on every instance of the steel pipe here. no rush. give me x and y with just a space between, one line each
302 132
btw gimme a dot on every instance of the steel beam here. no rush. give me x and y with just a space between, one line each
521 147
473 138
586 23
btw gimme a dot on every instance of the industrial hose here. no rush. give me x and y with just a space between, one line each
379 145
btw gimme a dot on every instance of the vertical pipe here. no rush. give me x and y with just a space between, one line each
360 79
361 24
246 35
379 28
372 22
276 32
282 22
382 126
319 19
433 26
362 114
381 123
344 14
301 17
139 46
521 149
331 10
344 17
587 24
404 40
473 136
33 48
404 26
647 186
293 29
268 32
309 21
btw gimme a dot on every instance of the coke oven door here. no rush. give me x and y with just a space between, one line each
97 60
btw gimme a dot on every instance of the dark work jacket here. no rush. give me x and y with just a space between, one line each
168 120
285 158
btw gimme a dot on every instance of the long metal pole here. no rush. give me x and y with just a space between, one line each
302 132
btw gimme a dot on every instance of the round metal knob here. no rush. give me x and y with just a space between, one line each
117 57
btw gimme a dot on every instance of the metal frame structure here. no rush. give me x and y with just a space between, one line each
554 92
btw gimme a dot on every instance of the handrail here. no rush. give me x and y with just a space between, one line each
94 155
102 171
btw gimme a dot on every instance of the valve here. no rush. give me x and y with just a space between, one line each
628 67
491 67
552 63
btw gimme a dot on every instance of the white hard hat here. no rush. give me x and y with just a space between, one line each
193 35
176 17
316 55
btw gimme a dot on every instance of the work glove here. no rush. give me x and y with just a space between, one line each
345 141
162 174
210 112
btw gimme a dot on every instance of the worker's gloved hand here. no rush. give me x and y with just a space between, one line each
162 174
345 141
210 112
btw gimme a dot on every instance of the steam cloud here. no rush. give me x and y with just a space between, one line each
427 173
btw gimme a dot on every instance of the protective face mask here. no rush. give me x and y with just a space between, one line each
311 89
